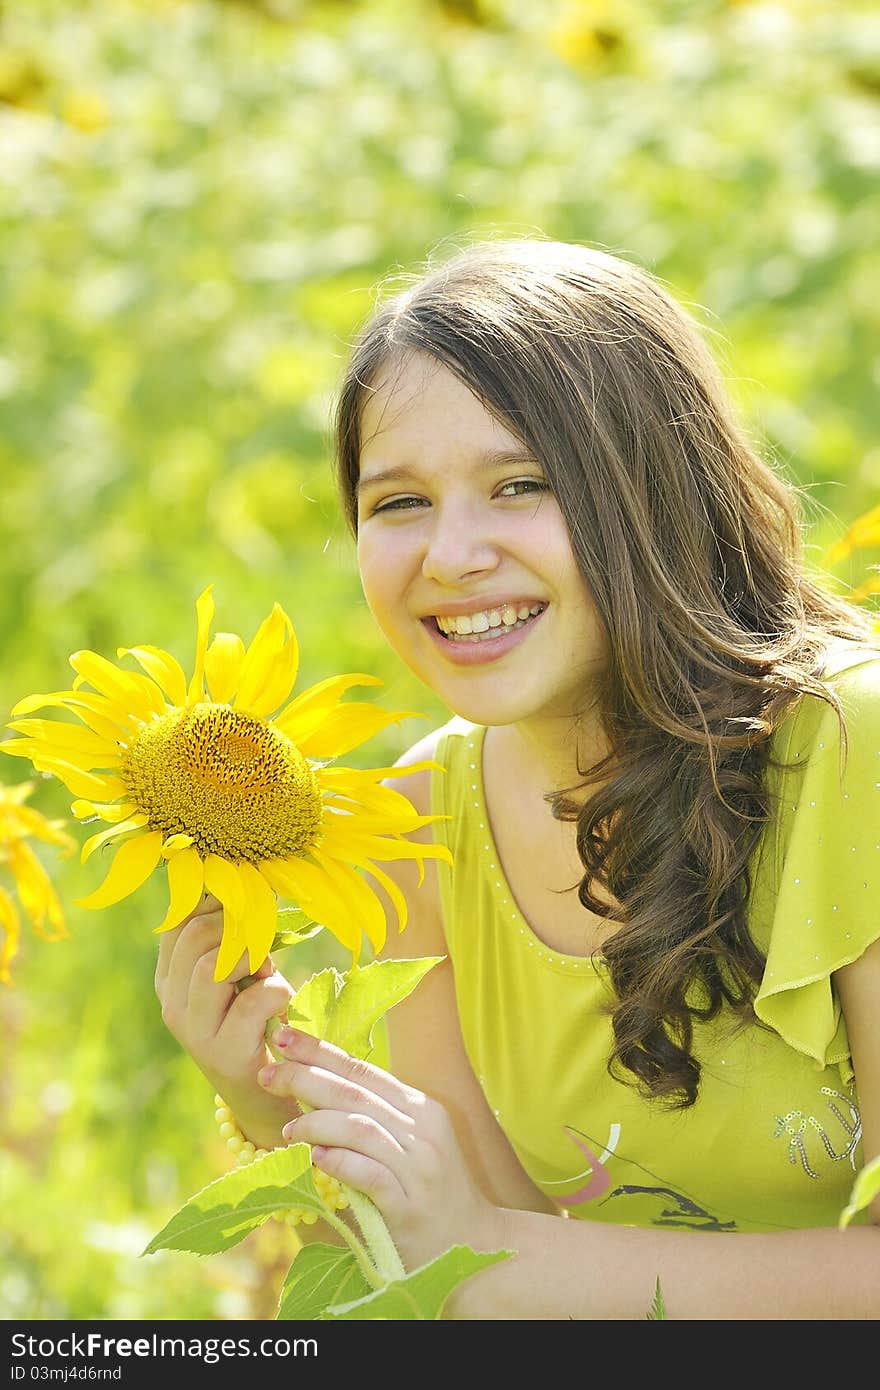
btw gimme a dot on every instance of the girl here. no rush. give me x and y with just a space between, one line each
658 1009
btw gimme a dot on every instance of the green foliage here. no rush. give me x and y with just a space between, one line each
657 1310
344 1009
865 1188
197 200
321 1275
321 1281
423 1293
218 1216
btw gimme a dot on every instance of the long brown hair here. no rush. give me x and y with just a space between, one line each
690 546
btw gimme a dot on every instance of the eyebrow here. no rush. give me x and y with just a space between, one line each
486 463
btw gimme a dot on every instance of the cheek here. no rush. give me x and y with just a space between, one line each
382 566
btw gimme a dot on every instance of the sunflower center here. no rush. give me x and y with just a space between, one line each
239 787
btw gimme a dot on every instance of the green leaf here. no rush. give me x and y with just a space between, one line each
294 926
657 1310
320 1275
422 1294
344 1009
865 1189
225 1211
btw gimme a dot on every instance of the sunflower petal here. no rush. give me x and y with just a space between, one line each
78 781
162 668
135 822
317 894
17 793
391 888
341 843
223 879
347 726
174 844
134 862
383 800
127 690
112 811
269 668
261 915
364 906
10 926
350 819
36 893
41 754
223 666
186 879
95 711
305 713
34 823
367 775
204 617
55 737
232 947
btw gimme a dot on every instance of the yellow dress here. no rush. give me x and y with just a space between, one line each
774 1139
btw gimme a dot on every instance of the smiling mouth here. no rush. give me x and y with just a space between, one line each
492 631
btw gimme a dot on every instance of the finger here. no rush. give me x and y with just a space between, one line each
243 1028
302 1047
358 1134
207 907
327 1090
364 1174
192 1000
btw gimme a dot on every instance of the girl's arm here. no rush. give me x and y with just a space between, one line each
585 1270
400 1146
424 1036
425 1147
221 1027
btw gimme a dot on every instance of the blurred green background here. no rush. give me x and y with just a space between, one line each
198 201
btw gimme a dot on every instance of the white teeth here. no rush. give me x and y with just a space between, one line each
473 627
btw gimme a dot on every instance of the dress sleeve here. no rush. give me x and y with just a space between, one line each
827 909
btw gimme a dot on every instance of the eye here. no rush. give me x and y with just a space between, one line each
399 504
524 486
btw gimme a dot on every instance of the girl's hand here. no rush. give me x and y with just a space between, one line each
389 1141
221 1026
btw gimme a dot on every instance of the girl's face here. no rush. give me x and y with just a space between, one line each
464 554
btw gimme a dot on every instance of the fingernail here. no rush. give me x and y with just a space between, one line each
286 1037
287 1131
265 1075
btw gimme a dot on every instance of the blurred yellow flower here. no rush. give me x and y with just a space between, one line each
36 895
239 801
862 534
86 111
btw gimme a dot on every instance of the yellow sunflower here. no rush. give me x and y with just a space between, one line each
237 798
36 895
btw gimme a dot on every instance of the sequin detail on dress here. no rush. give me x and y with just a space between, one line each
797 1125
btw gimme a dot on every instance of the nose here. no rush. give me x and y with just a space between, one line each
458 545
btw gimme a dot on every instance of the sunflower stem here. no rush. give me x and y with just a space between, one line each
365 1264
380 1261
376 1234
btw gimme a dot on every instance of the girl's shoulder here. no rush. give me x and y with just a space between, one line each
851 672
414 781
846 660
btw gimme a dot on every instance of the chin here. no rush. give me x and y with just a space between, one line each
492 710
